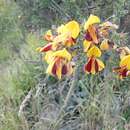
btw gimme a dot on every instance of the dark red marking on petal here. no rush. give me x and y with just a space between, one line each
71 40
54 69
64 70
88 37
96 66
111 44
88 66
124 73
46 48
117 69
74 40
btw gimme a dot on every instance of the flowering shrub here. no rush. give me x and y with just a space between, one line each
96 40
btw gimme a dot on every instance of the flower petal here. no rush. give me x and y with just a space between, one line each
64 69
86 45
60 38
63 53
93 34
104 45
125 61
88 65
96 66
100 64
60 29
54 69
48 36
73 28
88 37
70 68
46 48
94 52
91 20
93 66
50 67
122 71
49 57
70 42
59 68
49 32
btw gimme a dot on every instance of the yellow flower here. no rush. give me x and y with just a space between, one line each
93 65
94 52
123 51
60 29
125 61
73 29
60 38
48 36
91 20
107 45
68 33
104 45
59 63
91 29
124 69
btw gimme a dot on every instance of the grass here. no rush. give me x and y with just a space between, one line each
89 102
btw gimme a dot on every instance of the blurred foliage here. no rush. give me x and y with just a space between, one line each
100 101
44 13
38 14
10 34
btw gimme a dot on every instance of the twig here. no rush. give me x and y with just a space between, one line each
40 86
59 9
25 103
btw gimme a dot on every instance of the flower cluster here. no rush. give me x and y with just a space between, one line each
57 56
96 40
96 36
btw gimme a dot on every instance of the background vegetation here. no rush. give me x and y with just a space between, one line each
30 100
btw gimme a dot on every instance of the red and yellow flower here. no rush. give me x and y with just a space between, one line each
59 63
48 36
93 65
96 35
123 51
124 69
91 30
68 33
107 45
105 27
66 37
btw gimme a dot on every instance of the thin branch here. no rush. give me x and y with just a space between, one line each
25 103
